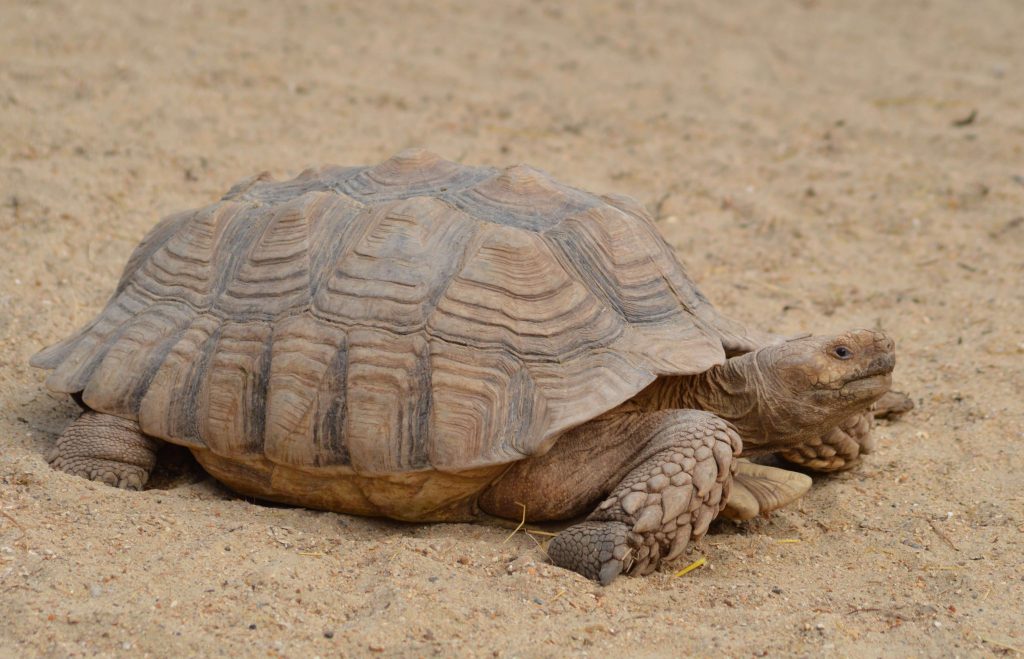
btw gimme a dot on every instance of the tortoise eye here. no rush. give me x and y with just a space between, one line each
842 352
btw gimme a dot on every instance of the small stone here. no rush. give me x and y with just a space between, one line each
522 564
328 633
777 590
252 626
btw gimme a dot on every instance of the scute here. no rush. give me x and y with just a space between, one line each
415 315
391 276
411 173
522 197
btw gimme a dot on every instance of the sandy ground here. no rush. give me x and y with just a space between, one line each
803 157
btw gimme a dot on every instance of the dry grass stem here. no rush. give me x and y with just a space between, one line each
13 521
691 567
522 523
942 535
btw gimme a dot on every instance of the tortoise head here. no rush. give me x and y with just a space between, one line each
806 386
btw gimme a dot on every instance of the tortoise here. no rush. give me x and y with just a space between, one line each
430 341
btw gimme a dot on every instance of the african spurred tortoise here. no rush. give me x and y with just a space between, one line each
430 341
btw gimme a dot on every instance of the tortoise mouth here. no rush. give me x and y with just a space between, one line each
880 367
865 386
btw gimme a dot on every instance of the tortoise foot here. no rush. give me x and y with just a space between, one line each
107 449
597 550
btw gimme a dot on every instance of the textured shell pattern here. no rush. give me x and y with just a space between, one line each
419 314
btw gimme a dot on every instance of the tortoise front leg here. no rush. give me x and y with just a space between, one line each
840 449
105 448
680 484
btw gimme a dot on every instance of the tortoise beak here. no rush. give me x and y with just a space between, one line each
883 351
875 377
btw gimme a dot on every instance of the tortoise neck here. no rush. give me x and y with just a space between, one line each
731 391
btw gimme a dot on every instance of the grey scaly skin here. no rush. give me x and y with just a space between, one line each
664 463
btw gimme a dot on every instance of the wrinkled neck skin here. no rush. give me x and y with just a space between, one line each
742 391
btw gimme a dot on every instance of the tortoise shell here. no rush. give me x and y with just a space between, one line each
415 315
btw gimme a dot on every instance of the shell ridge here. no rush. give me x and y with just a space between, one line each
153 242
73 373
119 381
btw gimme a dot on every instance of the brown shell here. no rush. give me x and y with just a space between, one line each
419 314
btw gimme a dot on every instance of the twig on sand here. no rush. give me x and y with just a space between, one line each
522 523
13 521
16 523
539 545
691 567
1004 646
942 535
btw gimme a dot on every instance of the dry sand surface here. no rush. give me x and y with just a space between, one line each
805 160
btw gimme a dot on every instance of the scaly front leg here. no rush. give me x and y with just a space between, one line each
840 449
680 485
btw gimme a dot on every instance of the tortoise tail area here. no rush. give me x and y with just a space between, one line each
91 336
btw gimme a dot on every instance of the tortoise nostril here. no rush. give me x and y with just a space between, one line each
883 342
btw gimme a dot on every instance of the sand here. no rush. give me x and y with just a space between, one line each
818 166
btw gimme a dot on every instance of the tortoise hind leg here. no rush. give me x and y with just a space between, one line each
105 448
